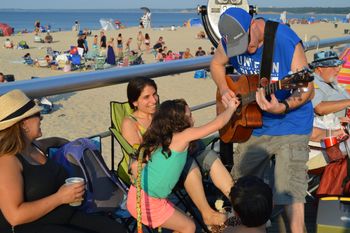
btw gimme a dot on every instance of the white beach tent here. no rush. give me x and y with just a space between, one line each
283 17
108 24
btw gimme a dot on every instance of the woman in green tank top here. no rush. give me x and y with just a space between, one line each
165 145
143 98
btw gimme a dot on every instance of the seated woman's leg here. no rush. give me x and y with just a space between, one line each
221 178
208 160
194 187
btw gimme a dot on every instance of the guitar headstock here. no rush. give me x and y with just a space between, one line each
297 80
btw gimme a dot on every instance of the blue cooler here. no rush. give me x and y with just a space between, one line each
200 74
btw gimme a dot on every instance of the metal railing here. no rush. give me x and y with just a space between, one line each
87 80
331 42
194 108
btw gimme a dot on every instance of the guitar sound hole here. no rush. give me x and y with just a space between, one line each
239 110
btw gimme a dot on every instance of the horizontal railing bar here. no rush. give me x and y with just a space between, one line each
194 108
204 105
331 42
87 80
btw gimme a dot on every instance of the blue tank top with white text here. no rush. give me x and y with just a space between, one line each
297 121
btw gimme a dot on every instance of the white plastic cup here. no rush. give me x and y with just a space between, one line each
74 180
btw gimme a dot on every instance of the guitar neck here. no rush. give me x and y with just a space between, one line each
269 89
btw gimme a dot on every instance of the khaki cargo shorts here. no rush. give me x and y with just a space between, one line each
289 177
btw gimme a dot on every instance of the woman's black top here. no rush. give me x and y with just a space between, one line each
41 181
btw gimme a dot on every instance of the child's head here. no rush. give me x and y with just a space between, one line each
171 117
136 88
252 201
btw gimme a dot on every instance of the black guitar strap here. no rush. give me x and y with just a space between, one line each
269 40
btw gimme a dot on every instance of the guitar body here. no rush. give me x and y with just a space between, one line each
247 116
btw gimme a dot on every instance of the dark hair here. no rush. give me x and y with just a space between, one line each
136 86
252 200
146 36
168 119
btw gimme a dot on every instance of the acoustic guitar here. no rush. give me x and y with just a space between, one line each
248 115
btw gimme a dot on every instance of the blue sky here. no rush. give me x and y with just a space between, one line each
162 4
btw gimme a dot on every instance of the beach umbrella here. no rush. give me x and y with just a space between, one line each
107 24
146 9
344 73
5 30
194 22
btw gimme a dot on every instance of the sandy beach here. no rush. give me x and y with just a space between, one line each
85 113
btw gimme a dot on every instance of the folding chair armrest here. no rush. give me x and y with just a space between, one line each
315 145
122 142
317 158
45 143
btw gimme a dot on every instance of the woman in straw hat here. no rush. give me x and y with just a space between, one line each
33 195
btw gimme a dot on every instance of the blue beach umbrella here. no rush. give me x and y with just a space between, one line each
194 22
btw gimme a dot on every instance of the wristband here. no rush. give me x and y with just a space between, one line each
285 103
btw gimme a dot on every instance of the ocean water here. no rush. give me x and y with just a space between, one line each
326 17
64 19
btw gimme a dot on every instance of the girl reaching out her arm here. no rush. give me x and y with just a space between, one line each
166 143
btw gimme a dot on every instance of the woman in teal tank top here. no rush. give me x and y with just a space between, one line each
165 145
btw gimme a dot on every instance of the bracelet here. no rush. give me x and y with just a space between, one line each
285 104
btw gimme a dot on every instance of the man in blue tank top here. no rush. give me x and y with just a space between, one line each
287 118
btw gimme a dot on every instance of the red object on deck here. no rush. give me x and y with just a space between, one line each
330 141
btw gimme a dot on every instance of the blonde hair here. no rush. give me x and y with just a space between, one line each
11 140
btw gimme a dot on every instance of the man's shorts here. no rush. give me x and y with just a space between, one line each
290 171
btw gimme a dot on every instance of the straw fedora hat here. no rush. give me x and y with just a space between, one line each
14 107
